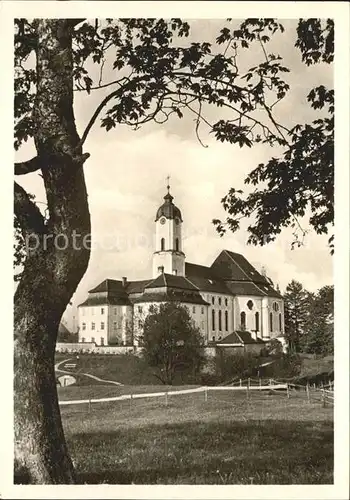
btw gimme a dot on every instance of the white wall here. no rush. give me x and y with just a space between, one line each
92 315
216 307
120 324
241 306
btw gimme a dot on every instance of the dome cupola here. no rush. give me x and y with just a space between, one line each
168 209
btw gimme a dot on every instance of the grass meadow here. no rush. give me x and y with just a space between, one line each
228 439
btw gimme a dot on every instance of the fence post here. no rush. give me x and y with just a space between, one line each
166 398
323 398
270 381
314 385
248 389
130 400
240 382
206 394
288 395
308 392
259 382
89 405
248 381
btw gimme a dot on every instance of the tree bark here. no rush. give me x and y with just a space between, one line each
54 269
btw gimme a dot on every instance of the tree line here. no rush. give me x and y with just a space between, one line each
309 319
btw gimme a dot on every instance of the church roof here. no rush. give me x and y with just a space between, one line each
168 209
171 295
233 266
109 286
171 281
230 274
204 279
239 337
105 301
137 286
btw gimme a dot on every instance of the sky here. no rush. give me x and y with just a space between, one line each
126 181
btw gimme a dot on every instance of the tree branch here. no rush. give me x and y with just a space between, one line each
36 163
26 167
27 213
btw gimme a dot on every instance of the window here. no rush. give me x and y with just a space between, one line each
93 339
275 306
226 321
83 339
202 310
194 309
102 310
139 309
219 301
220 325
257 322
250 305
102 325
83 326
114 325
213 320
162 244
280 321
243 323
177 247
213 339
213 300
92 326
271 322
102 341
226 302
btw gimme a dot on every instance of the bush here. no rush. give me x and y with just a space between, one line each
230 366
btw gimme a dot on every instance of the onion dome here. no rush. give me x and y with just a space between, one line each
168 209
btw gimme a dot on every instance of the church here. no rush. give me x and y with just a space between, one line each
230 301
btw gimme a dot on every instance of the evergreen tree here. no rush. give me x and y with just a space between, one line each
296 309
319 327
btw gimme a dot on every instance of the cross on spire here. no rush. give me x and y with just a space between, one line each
168 182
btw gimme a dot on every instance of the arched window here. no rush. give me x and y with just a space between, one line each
271 322
177 244
162 244
243 323
257 322
226 321
220 325
250 305
280 321
213 319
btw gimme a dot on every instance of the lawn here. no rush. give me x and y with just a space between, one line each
228 439
126 369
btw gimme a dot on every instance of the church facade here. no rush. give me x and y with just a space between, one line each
228 300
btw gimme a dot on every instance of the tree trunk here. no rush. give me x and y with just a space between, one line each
54 269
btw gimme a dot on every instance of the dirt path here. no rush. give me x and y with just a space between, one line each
58 369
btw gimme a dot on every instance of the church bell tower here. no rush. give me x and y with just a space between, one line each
168 256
